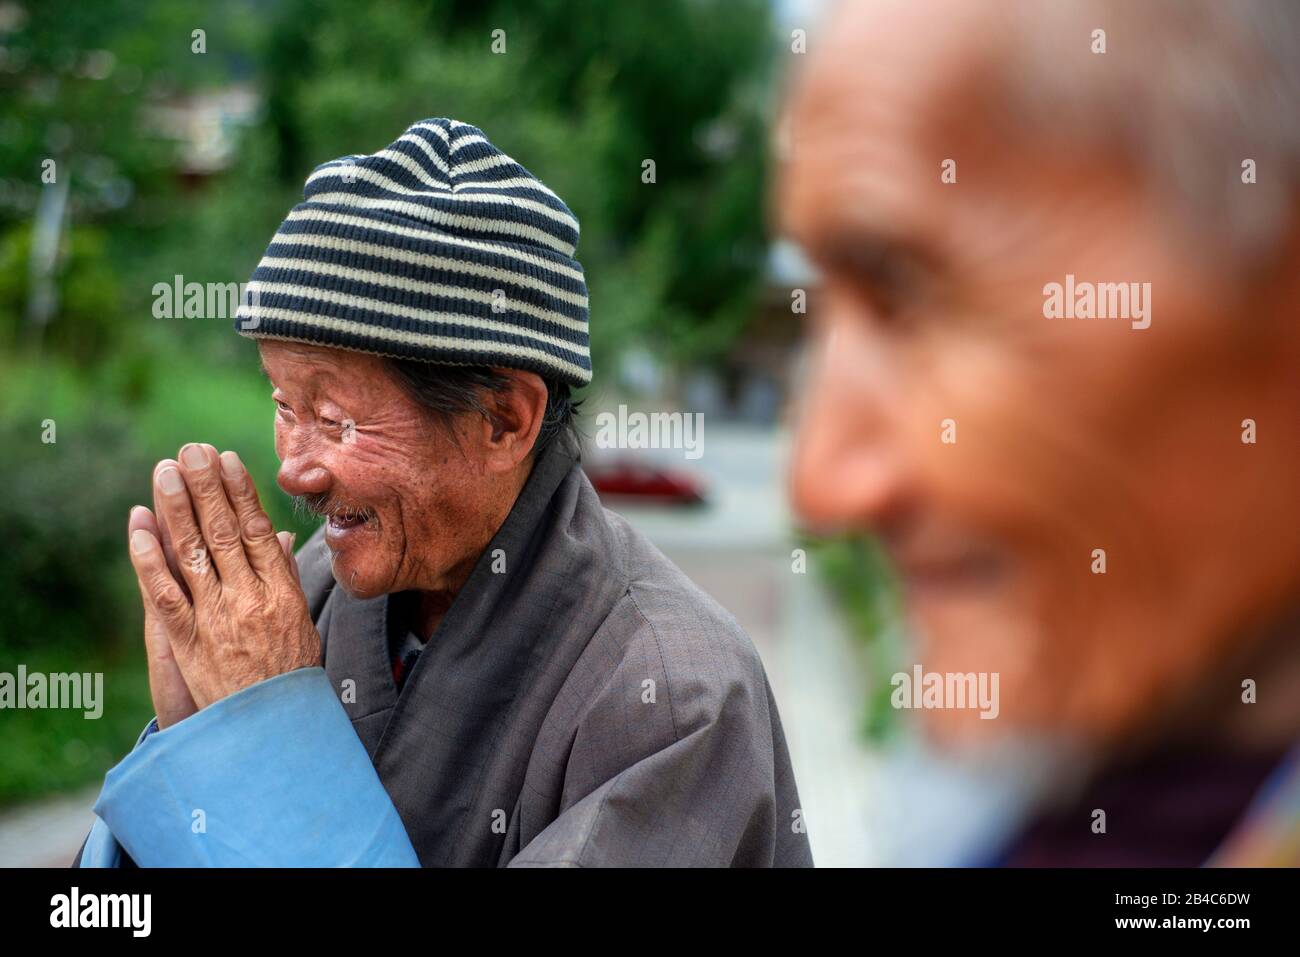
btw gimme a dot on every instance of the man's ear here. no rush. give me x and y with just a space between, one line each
517 414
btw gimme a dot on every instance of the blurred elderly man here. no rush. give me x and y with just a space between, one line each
477 664
1055 371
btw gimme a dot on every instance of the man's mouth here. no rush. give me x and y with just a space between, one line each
342 525
340 518
928 576
345 519
931 563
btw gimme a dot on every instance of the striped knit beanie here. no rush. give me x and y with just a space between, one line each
439 248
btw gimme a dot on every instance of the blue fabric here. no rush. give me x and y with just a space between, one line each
102 849
272 776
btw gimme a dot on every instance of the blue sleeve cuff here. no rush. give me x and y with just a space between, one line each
101 848
272 776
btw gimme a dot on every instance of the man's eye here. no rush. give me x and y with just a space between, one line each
282 405
881 302
892 282
892 290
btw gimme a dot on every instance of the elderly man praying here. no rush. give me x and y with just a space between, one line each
472 662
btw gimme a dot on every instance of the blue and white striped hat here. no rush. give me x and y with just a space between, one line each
440 248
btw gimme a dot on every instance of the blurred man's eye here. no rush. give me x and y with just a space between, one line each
887 298
891 280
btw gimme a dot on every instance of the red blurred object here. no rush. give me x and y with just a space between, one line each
629 479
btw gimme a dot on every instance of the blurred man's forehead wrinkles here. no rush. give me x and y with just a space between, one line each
900 74
906 52
859 158
863 196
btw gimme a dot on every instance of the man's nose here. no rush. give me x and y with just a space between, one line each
846 471
302 472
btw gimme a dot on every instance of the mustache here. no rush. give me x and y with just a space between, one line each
325 505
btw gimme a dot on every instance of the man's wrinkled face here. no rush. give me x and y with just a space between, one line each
1002 455
402 501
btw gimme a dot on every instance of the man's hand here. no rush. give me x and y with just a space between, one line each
172 701
223 606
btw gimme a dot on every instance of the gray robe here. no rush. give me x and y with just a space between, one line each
588 706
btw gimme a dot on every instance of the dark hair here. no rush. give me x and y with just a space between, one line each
447 391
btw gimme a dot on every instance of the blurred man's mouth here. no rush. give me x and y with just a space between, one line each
930 576
931 567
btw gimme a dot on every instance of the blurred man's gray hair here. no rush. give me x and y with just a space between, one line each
1187 91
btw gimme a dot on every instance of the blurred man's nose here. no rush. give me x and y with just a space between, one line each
846 469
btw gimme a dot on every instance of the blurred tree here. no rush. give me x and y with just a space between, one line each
584 91
81 87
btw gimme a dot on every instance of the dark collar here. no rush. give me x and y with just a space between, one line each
504 641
